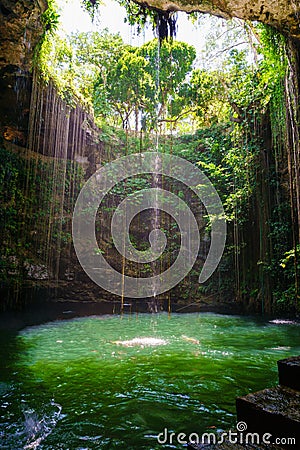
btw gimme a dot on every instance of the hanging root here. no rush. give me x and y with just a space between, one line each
166 24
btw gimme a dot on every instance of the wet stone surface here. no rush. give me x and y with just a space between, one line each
275 411
289 372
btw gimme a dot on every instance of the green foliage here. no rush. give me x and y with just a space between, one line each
30 213
168 65
56 63
155 88
288 261
206 93
91 6
124 87
136 14
285 292
75 63
50 23
50 18
128 87
11 194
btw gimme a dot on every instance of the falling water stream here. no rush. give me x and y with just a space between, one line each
154 305
108 382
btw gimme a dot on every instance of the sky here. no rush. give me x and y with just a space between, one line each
111 16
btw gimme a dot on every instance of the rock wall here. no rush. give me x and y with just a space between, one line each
38 189
59 130
20 30
284 15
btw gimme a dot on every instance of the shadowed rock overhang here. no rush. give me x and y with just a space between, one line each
284 15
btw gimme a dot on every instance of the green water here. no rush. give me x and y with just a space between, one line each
68 385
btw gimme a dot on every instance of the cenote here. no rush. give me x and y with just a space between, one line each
117 381
208 126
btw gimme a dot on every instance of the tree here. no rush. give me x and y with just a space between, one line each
206 96
124 87
97 50
169 64
76 62
144 82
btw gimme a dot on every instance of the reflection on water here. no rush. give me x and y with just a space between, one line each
106 382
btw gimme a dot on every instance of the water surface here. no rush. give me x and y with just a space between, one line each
72 384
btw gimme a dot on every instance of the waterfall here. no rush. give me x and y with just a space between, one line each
155 222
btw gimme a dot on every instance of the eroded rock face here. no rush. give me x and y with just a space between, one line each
281 14
20 31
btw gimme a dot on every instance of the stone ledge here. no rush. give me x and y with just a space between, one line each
275 411
289 372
